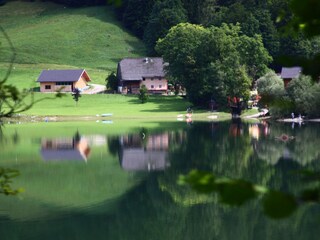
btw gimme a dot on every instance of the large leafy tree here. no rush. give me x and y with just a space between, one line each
213 62
136 14
304 94
164 15
200 11
180 48
270 88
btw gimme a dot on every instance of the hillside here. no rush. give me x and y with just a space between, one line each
50 36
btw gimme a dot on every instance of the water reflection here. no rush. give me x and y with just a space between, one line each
76 198
65 148
141 152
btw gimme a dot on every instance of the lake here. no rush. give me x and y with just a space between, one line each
118 180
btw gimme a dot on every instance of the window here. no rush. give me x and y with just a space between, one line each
160 78
152 86
47 86
151 79
63 83
143 79
160 86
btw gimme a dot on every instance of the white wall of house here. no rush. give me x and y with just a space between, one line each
52 87
155 84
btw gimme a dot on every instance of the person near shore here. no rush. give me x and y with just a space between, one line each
292 115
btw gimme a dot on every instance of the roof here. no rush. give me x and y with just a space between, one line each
63 75
137 159
137 68
292 72
60 155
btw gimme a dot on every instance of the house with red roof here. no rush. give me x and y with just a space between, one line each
63 80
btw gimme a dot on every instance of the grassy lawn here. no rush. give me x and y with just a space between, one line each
121 107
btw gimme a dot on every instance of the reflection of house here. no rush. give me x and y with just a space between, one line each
58 149
138 154
66 80
256 130
132 73
287 74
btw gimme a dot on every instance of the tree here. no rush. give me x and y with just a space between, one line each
273 95
213 62
200 11
112 81
76 94
305 21
270 87
143 94
302 94
136 14
164 15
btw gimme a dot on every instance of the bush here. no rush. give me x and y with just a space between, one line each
143 94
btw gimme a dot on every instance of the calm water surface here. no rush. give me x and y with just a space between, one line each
107 181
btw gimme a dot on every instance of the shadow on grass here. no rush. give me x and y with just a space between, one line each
165 103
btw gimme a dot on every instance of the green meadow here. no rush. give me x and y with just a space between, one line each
121 107
49 36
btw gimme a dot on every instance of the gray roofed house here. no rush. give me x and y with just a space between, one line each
134 72
64 148
65 80
151 154
288 73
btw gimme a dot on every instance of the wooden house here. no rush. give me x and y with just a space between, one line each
132 73
63 80
289 73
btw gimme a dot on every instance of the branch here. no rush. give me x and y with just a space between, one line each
6 36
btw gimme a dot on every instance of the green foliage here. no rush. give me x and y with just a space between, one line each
143 94
164 15
6 176
270 87
306 16
278 204
213 62
200 11
112 81
273 95
76 94
136 14
303 94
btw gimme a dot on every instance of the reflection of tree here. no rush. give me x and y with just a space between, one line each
158 208
114 145
233 156
7 174
303 147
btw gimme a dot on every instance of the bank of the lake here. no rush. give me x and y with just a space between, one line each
116 107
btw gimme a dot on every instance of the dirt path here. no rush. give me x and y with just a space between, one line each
94 89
